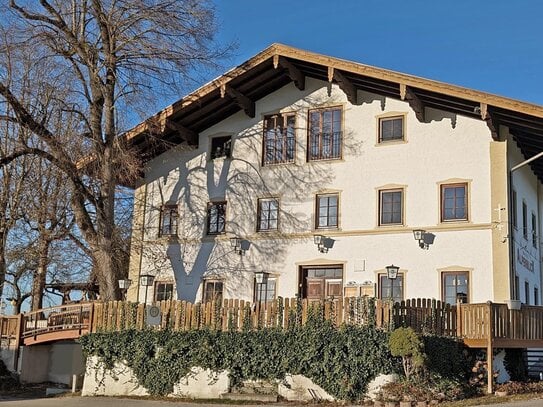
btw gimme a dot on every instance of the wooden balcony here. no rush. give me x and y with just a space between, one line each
482 324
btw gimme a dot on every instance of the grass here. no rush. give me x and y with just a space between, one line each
491 399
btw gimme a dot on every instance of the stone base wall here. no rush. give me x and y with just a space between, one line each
198 384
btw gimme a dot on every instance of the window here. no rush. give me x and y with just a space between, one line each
279 139
527 293
390 128
455 287
536 296
221 147
514 209
390 207
216 218
168 220
265 292
454 202
517 288
268 214
534 230
321 282
327 211
325 134
524 220
391 289
212 290
163 291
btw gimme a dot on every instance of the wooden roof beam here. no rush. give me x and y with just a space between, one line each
489 119
294 73
345 85
241 100
185 133
414 101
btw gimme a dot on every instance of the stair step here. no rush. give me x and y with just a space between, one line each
250 397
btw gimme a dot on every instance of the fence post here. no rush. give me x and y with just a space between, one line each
18 340
489 349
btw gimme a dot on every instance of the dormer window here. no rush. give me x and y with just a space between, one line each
221 147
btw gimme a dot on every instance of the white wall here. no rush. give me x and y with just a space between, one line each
444 148
56 362
527 263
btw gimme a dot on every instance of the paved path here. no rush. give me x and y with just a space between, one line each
120 402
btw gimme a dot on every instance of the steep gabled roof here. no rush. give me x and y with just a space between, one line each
276 66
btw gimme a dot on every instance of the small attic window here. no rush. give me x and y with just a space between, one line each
221 147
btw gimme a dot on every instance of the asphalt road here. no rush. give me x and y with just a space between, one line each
120 402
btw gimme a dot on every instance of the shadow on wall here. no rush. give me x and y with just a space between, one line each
191 183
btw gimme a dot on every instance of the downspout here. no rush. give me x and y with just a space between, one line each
513 287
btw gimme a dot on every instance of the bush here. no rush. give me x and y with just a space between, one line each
515 364
8 381
447 357
406 343
431 388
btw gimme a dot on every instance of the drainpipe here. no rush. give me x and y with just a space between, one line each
513 287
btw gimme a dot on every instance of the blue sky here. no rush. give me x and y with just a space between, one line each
490 45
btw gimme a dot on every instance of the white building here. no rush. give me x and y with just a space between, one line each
292 145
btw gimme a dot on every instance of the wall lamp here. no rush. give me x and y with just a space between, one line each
424 238
240 246
261 277
323 243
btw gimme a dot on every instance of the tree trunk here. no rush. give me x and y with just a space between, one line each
105 271
2 262
38 282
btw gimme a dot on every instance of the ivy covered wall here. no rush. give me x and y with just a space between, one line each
340 360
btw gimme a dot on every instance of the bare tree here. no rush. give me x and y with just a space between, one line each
48 217
95 58
12 177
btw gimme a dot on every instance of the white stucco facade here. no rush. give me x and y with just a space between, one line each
445 149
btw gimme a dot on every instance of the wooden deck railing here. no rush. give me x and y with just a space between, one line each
9 327
425 316
478 325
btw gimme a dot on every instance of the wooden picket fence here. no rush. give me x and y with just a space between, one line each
427 316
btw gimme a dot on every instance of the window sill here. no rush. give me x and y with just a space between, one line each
454 221
390 143
168 238
267 165
341 159
223 158
269 231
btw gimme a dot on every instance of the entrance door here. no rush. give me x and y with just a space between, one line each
318 282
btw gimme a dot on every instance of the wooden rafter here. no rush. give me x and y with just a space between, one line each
414 102
185 133
346 86
489 120
241 100
294 73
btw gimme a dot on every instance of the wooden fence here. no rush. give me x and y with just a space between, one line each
427 316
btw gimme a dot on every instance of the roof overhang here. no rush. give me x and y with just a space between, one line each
239 89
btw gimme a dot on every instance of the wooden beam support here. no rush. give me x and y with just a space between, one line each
346 86
490 122
294 73
241 100
414 102
185 133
